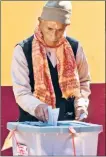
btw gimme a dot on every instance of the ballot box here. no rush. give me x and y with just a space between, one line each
67 138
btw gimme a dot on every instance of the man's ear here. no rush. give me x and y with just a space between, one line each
39 19
40 23
67 25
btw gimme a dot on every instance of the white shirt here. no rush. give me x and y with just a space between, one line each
21 83
52 55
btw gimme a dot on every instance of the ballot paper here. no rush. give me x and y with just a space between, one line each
83 116
53 116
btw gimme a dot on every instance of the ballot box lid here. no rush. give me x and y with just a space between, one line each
62 127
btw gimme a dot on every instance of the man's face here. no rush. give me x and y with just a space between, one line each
52 31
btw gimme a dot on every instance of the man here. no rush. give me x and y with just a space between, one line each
51 69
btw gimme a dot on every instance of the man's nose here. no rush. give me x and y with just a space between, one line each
54 34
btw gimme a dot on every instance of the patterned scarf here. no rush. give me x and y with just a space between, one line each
66 67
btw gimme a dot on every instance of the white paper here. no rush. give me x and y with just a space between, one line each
50 119
53 115
83 116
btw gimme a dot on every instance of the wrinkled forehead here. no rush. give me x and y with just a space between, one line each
54 24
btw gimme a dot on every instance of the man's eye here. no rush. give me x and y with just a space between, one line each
50 29
60 30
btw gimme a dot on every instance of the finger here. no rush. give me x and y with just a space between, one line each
78 113
82 120
44 115
37 113
41 114
45 110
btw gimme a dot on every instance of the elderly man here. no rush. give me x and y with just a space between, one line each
50 68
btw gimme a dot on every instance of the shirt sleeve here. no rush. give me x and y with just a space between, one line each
84 77
21 83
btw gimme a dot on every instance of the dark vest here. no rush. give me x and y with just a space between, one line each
64 105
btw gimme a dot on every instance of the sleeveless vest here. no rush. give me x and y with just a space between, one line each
66 106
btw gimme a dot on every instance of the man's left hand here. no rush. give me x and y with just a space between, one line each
79 111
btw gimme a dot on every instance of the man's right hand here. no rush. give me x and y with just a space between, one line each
41 112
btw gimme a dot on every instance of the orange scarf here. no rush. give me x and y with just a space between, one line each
66 67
